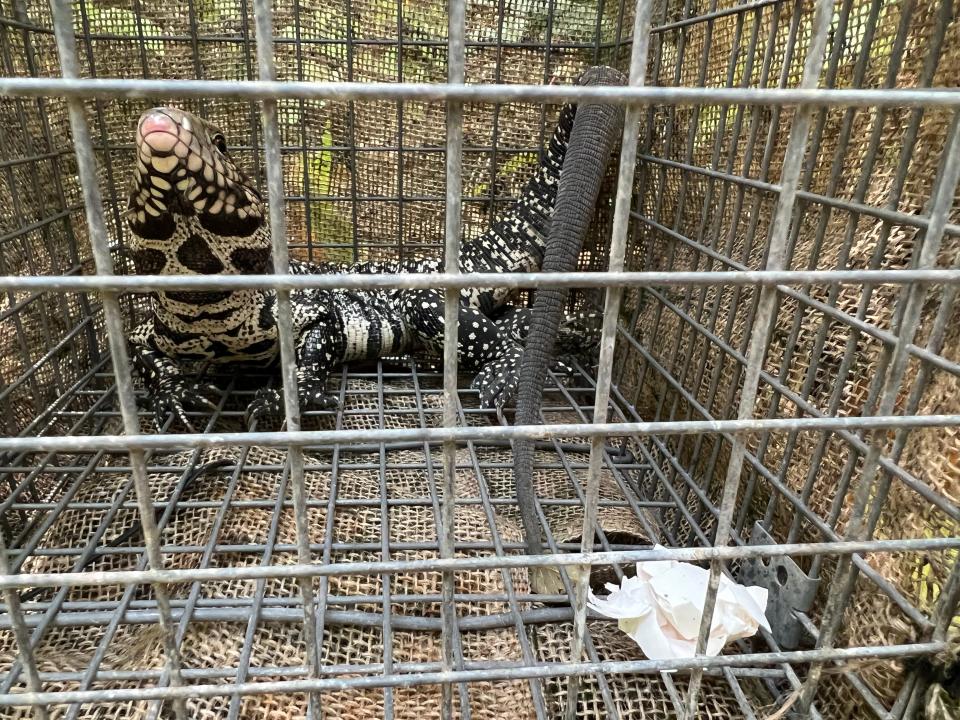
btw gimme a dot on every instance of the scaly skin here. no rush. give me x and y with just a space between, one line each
192 210
594 135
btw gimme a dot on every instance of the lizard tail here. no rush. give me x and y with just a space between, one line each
595 132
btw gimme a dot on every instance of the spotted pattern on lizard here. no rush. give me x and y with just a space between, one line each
192 210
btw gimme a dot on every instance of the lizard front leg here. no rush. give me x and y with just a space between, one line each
317 351
168 390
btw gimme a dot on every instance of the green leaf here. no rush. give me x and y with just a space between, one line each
120 21
325 216
510 167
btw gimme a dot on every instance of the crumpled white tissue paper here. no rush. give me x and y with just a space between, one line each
662 606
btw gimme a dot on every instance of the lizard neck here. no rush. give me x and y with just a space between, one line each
185 244
191 248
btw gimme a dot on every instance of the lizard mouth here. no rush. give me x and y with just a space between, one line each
183 168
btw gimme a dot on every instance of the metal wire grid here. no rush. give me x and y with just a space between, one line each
848 545
346 36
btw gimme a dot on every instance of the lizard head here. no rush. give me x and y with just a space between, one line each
187 187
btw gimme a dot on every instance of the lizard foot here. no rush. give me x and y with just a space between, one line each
581 332
174 394
268 403
565 366
322 400
499 379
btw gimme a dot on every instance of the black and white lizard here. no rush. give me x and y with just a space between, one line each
191 211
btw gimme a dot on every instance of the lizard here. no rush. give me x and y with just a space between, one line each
192 210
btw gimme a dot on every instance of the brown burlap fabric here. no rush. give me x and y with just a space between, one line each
244 515
806 349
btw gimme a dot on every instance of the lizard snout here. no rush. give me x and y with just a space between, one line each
159 131
164 137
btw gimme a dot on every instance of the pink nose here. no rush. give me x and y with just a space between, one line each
159 131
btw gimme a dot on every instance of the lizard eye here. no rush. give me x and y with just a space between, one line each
221 142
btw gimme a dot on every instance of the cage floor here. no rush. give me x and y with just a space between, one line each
366 502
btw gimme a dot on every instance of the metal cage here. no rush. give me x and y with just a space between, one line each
777 395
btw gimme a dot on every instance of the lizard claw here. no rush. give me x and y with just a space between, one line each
322 400
204 390
174 394
269 403
266 403
313 394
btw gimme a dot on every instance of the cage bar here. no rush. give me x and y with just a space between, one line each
611 313
288 363
775 260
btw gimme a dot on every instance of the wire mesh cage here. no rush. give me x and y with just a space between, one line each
778 246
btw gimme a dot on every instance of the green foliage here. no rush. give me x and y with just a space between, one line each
329 225
857 27
120 21
209 11
510 167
